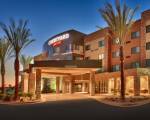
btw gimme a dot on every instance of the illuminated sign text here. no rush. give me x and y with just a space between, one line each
58 40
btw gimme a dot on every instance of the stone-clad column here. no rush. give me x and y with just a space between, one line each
63 86
92 84
71 84
31 83
24 82
57 85
38 83
84 87
115 86
136 85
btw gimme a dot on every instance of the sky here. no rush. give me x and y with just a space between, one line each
50 17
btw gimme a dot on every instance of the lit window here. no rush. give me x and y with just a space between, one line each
115 68
87 47
135 34
148 29
87 58
135 65
115 54
56 49
135 50
76 47
148 46
101 56
101 43
115 42
147 62
68 48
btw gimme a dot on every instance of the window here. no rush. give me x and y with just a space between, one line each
135 65
76 47
56 49
87 47
115 41
68 48
135 50
148 46
101 43
68 57
147 62
87 58
101 56
115 68
115 54
148 29
135 34
77 58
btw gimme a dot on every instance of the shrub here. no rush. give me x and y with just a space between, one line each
2 96
8 97
144 91
30 95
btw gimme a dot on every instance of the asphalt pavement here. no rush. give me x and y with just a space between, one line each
87 109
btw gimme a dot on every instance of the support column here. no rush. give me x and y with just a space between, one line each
109 86
38 83
57 85
83 87
63 86
149 84
115 86
137 85
92 84
71 84
31 83
24 82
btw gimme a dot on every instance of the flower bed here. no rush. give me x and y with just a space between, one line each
128 102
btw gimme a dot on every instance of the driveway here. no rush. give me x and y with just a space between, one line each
81 109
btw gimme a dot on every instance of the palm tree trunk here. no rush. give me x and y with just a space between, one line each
3 76
16 76
122 73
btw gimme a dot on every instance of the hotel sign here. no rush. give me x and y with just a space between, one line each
58 40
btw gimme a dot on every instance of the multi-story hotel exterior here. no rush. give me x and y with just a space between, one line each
91 64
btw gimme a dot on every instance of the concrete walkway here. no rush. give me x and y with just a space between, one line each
62 97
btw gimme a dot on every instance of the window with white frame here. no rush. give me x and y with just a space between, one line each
101 56
115 54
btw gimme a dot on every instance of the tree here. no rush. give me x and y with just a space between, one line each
25 61
119 20
5 54
19 35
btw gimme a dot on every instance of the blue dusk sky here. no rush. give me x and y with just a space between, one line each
50 17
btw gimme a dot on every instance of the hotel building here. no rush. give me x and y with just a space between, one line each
90 63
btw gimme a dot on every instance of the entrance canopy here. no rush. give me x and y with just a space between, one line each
67 67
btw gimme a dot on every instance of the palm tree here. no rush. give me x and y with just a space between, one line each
19 35
25 61
5 54
119 20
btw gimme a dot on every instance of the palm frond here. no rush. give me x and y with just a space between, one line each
18 34
25 61
119 19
